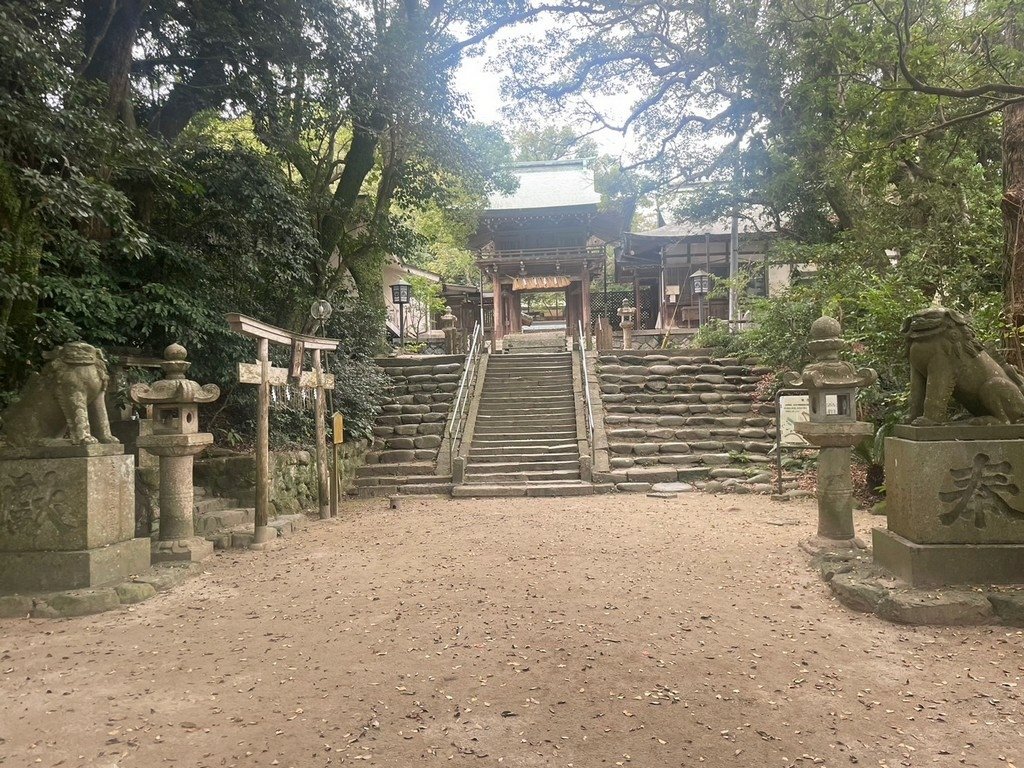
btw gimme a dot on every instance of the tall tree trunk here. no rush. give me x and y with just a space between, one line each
1013 204
110 28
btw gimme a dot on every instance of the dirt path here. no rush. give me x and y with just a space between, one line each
544 632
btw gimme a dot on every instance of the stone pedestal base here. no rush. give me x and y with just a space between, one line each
932 565
73 569
190 550
817 545
67 518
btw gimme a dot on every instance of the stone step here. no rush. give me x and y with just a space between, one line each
210 523
525 440
525 476
540 374
539 403
518 422
369 482
537 389
209 504
500 490
241 536
539 356
505 435
413 489
378 470
539 414
559 362
514 466
545 418
535 374
516 383
503 452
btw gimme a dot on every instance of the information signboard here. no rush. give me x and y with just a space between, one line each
792 410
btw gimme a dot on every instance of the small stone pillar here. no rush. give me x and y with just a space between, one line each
449 323
832 386
627 315
176 439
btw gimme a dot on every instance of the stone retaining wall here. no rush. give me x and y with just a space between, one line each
293 481
677 417
411 427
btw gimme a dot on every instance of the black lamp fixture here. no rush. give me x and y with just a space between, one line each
701 282
401 294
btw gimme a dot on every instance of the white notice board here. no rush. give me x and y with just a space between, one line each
793 409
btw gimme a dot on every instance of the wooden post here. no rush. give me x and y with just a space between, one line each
320 414
585 301
338 435
499 313
262 532
636 298
335 480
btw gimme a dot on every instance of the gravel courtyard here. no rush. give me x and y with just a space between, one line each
597 631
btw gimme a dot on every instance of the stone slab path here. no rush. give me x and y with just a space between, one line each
598 631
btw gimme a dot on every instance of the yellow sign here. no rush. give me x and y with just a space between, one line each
339 429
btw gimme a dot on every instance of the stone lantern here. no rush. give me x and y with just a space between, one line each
449 325
832 385
627 318
176 439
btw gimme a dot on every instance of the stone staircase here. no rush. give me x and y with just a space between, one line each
524 439
679 417
410 431
229 525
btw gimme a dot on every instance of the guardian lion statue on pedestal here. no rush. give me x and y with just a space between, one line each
948 362
66 397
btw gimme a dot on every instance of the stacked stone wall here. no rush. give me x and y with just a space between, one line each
674 417
293 478
411 426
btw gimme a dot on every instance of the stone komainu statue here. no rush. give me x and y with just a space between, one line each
947 361
66 397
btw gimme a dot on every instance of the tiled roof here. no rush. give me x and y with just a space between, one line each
550 184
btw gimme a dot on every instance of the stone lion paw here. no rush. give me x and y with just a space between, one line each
110 440
88 440
923 421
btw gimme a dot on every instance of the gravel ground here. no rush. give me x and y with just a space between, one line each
600 631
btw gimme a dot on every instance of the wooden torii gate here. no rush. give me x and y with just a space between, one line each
264 375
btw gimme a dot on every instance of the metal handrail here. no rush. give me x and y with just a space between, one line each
586 387
465 385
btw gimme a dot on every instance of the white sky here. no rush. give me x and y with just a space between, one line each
478 77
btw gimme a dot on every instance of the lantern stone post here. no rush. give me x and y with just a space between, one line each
176 439
832 385
627 315
449 325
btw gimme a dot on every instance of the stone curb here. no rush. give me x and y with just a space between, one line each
862 586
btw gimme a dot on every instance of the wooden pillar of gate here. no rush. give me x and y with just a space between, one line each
320 406
499 313
261 531
585 303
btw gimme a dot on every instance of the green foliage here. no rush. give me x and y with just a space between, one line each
715 334
65 227
134 213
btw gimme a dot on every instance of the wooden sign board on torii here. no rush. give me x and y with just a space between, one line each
252 373
264 376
